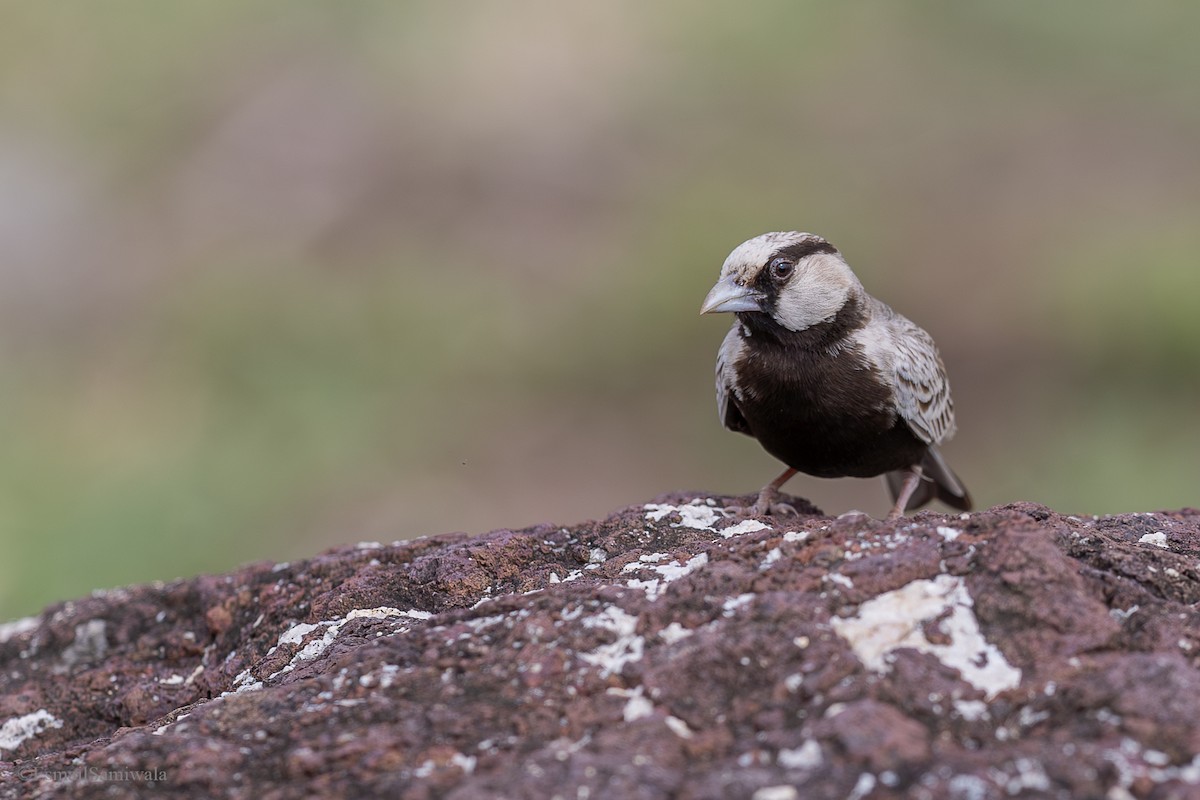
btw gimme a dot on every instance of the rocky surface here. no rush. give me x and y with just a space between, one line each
665 652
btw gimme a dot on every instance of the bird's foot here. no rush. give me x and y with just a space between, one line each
768 504
770 510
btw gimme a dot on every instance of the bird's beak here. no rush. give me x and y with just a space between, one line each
729 296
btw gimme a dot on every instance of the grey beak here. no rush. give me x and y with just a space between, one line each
730 296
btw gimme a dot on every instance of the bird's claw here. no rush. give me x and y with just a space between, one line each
767 510
776 510
767 505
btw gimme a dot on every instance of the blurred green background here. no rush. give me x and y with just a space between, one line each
280 275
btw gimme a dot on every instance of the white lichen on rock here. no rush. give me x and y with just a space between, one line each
1158 539
743 527
666 573
696 514
896 619
11 630
611 658
16 730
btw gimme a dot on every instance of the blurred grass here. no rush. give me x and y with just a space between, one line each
1134 316
280 275
231 406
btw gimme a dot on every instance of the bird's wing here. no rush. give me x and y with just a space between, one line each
727 407
922 391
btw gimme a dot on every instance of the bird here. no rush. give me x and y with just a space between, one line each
828 379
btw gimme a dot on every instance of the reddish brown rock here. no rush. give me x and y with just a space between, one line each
665 652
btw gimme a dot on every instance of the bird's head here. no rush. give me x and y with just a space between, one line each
798 279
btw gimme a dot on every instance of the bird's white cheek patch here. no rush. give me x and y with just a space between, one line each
896 620
809 302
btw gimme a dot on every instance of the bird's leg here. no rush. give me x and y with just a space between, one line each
768 498
911 480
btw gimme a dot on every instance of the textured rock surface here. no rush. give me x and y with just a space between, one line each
666 652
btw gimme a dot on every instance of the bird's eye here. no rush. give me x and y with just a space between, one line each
780 268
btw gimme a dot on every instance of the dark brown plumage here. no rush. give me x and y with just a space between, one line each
828 379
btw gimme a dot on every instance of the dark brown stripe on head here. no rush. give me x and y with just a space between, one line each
805 248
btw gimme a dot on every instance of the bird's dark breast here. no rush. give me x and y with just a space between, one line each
826 415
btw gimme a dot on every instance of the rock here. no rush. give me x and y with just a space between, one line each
664 652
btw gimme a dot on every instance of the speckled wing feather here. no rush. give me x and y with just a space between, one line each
727 408
922 392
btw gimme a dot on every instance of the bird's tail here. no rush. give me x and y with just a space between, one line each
938 482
